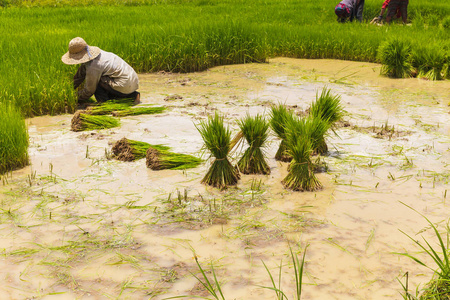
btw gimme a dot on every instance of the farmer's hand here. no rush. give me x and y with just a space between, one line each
376 20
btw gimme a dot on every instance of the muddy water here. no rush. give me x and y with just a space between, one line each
76 225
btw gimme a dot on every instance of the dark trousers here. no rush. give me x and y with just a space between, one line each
104 92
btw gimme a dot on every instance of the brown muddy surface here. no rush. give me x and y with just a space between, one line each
77 225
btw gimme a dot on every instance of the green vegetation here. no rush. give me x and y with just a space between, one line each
110 106
255 131
395 55
217 140
279 116
130 150
186 36
82 121
13 138
159 159
142 110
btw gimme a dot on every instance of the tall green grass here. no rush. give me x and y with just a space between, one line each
13 138
183 36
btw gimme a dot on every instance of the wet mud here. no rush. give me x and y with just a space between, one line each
77 224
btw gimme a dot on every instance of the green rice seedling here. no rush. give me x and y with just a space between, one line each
255 132
217 141
13 138
110 106
134 111
434 63
298 275
446 23
303 137
82 121
130 150
158 159
327 107
395 56
439 286
279 116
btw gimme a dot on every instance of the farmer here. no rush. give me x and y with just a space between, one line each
105 74
383 9
395 5
349 9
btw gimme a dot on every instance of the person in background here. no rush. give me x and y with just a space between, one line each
395 5
383 9
105 75
349 9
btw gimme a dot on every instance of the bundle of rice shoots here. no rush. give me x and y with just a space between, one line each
110 106
158 159
255 132
217 140
395 55
134 111
327 107
82 121
279 116
300 140
131 150
432 63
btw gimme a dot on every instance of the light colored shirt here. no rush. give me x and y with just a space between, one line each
108 68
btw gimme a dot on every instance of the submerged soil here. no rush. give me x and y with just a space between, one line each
77 225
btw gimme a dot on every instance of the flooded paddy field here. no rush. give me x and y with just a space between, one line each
77 224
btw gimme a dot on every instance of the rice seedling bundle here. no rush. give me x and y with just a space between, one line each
303 137
134 111
158 159
110 106
82 121
327 107
395 55
279 116
13 138
255 132
130 150
430 63
217 141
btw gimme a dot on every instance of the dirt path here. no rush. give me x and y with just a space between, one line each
76 225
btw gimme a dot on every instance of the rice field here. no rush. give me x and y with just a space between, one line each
186 36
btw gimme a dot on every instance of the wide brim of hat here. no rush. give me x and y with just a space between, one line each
81 57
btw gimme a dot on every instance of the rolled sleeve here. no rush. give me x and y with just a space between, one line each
93 76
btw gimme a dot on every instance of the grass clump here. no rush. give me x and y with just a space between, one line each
134 111
83 121
303 137
430 63
13 138
395 55
255 132
159 159
217 141
130 150
279 116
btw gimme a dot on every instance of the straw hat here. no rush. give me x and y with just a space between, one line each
79 52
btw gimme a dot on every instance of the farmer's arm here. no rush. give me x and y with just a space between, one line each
79 76
93 75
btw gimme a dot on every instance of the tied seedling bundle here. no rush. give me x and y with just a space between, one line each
279 116
255 132
131 150
302 136
218 142
134 111
395 56
110 106
82 121
327 107
161 159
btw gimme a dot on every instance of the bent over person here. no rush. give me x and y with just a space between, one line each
349 9
105 75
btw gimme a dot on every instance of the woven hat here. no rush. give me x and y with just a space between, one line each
79 52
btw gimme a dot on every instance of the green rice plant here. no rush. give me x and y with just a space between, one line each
82 121
327 107
217 141
439 286
13 138
430 62
255 132
130 150
157 159
303 137
279 116
110 106
298 275
446 23
134 111
395 56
